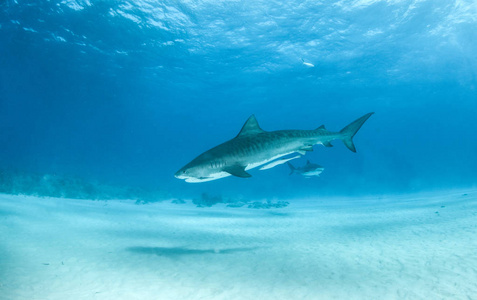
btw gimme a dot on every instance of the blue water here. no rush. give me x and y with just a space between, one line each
124 93
105 100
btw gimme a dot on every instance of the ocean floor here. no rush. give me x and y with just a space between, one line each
417 246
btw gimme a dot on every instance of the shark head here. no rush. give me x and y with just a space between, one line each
192 174
199 171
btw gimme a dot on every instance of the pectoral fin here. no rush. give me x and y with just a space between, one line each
238 171
327 144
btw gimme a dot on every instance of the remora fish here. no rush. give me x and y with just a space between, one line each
254 147
307 170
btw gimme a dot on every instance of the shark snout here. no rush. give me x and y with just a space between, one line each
179 175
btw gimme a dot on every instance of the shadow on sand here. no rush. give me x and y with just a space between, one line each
182 251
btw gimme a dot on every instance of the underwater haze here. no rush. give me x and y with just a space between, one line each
109 99
127 92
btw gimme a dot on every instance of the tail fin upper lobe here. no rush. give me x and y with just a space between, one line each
350 130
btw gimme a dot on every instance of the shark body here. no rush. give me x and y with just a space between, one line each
308 170
254 147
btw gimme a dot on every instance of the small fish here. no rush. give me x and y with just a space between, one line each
278 162
307 170
307 63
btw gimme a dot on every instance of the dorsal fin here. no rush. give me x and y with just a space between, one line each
321 127
250 127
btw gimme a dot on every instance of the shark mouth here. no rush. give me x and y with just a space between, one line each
214 176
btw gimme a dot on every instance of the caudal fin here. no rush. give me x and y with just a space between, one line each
349 131
292 168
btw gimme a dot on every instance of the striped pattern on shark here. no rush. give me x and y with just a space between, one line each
254 147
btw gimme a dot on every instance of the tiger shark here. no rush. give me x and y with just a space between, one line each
254 147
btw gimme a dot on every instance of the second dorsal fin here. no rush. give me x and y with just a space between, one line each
322 127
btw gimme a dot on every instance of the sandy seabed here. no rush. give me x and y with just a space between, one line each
417 246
